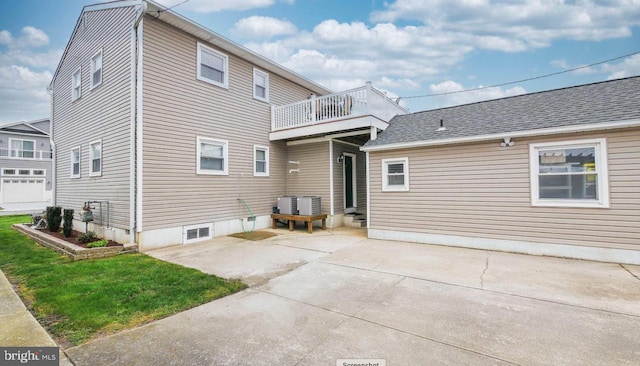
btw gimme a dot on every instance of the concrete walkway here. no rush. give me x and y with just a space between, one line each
19 328
337 295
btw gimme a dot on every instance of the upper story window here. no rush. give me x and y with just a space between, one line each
395 175
212 156
95 149
260 85
569 174
213 66
96 69
76 85
260 161
22 148
75 162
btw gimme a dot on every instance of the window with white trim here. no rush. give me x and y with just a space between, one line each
75 162
37 172
96 69
395 175
212 66
260 85
569 174
212 156
24 172
76 85
260 161
24 149
8 172
95 157
195 233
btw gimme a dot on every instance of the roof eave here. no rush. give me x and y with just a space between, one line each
516 134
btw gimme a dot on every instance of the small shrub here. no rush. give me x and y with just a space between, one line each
54 218
98 244
87 237
67 225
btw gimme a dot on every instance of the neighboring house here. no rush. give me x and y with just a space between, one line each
167 129
551 173
25 162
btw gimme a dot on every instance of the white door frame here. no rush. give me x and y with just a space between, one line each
354 180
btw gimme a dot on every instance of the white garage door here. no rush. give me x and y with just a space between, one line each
18 190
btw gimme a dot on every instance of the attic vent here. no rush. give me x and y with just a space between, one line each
442 128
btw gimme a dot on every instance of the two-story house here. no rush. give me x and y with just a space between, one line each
176 134
25 163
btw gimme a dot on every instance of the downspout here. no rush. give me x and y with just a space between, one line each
134 166
53 148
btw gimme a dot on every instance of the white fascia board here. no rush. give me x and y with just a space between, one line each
516 134
327 127
218 40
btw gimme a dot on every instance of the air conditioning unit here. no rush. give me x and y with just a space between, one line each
309 206
288 205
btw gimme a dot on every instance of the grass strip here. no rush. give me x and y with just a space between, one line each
81 300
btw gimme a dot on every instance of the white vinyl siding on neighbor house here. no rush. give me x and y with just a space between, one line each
213 66
260 85
75 162
212 156
260 161
96 69
395 175
569 174
23 149
95 158
76 85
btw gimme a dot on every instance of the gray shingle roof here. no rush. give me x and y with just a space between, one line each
609 101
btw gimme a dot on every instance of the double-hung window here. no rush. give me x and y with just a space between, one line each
75 162
24 149
395 175
76 85
260 85
212 156
569 174
95 150
260 161
213 66
96 69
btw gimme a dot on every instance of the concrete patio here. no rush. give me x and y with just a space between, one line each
334 295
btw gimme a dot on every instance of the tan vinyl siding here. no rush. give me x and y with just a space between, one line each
102 113
338 176
313 178
483 190
177 108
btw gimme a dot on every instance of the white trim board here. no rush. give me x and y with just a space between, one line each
625 256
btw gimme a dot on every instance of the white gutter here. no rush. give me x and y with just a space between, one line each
331 203
515 134
136 97
54 153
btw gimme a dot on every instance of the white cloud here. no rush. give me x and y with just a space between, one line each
629 67
23 94
258 27
456 97
516 26
29 37
210 6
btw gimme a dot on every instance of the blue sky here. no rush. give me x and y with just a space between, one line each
405 47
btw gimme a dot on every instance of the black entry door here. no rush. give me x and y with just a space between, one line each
348 181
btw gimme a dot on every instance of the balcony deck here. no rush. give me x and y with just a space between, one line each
352 109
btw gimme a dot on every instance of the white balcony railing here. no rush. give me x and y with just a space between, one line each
363 101
25 154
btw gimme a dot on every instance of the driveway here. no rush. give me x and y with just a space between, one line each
315 299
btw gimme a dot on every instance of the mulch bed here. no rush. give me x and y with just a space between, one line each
254 235
72 238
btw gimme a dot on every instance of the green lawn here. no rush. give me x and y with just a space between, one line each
82 300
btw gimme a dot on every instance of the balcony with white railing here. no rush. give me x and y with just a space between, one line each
25 154
352 109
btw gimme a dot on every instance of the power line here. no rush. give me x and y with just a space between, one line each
169 8
523 80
